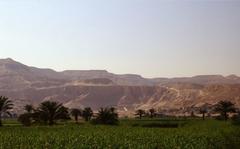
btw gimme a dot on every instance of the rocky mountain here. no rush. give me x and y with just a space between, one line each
201 79
99 88
126 79
16 76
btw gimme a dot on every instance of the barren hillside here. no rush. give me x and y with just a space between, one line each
24 85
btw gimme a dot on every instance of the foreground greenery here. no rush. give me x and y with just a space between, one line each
50 126
190 134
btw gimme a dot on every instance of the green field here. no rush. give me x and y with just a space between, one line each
190 134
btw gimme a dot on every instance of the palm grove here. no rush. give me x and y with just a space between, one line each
49 112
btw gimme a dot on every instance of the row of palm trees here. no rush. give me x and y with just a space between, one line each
49 112
87 114
150 113
222 107
104 116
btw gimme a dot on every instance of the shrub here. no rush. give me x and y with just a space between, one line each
236 119
25 119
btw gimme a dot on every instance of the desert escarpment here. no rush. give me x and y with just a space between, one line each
99 88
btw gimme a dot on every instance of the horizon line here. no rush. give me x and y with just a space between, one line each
106 70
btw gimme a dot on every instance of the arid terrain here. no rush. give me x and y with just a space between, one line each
98 88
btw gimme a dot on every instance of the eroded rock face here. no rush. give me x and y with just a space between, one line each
130 97
78 89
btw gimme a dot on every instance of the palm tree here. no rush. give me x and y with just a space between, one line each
49 112
63 113
203 111
140 113
75 113
87 114
224 107
107 116
5 106
29 108
26 118
152 112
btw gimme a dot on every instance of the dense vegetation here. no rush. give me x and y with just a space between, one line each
196 134
50 126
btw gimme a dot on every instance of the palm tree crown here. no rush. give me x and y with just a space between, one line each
87 113
5 106
51 111
107 116
29 108
140 113
152 112
224 107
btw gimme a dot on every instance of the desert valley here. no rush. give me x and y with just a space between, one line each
119 74
99 88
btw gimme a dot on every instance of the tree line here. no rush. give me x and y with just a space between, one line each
222 107
49 112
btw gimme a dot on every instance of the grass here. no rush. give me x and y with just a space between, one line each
191 134
155 123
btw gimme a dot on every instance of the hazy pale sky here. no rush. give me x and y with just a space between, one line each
154 38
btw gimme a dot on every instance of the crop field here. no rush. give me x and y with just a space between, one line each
139 134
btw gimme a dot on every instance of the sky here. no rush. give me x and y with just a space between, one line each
153 38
